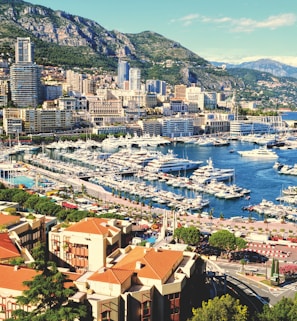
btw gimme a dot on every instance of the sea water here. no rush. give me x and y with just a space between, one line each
257 175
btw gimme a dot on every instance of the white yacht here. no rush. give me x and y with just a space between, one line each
208 173
261 152
170 163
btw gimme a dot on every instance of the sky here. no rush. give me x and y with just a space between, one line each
217 30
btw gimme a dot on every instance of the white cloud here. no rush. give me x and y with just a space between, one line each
187 20
272 22
242 24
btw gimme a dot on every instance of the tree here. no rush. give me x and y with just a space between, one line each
189 235
283 310
47 294
224 308
240 243
31 201
223 239
226 240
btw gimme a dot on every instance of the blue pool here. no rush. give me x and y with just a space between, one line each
151 239
27 181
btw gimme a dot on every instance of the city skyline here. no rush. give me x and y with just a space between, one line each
222 31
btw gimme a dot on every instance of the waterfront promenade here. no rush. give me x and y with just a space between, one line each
205 223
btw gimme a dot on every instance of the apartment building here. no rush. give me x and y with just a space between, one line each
12 285
140 283
153 127
25 76
46 120
177 127
85 245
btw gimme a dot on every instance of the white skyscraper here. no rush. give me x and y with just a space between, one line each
25 76
134 79
24 51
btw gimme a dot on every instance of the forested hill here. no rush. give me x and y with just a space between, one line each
68 40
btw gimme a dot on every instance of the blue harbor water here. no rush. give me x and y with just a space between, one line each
255 174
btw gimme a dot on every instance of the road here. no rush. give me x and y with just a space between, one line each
269 293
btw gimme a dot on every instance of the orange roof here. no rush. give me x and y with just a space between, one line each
112 276
155 264
92 225
7 248
13 279
71 276
7 220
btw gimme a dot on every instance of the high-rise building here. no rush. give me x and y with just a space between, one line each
156 86
134 79
24 50
123 72
25 76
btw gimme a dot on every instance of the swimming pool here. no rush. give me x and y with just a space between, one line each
151 239
24 180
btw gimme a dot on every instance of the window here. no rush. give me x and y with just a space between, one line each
146 309
105 316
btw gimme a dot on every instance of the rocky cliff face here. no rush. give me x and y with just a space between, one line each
63 29
147 49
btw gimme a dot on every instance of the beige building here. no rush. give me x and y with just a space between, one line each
46 120
12 122
86 244
153 127
140 283
180 92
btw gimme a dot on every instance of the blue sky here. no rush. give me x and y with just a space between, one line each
217 30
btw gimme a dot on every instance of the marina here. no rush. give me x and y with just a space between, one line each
221 182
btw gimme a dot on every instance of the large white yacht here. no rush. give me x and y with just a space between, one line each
261 152
170 163
207 173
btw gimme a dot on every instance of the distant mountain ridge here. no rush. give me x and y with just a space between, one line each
273 67
73 41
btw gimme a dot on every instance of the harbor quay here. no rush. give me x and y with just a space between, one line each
265 233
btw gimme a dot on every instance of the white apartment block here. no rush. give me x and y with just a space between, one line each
134 79
79 103
177 127
46 120
207 100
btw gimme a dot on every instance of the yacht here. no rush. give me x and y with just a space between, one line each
170 163
208 173
261 152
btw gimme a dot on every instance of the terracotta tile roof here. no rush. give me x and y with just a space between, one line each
71 276
114 276
93 225
13 279
8 220
7 248
153 264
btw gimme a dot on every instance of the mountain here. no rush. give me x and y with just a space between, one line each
273 67
72 41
